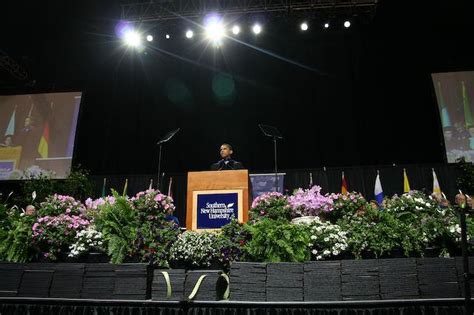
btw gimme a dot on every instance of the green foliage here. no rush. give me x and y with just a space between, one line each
118 223
15 235
465 180
278 240
232 240
380 233
76 185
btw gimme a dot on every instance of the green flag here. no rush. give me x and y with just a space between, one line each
445 121
467 107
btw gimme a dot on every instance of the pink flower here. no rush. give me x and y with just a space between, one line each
68 210
158 197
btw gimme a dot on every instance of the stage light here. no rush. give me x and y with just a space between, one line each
189 34
304 26
257 29
149 38
326 25
167 36
215 30
236 30
347 24
132 38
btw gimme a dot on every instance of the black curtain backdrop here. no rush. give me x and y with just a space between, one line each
360 179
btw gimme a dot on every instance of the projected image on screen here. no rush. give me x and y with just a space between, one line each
455 94
37 134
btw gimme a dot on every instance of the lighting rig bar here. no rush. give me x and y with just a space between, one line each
161 10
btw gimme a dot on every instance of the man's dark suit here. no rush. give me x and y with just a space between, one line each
227 164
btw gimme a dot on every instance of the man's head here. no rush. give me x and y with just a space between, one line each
448 133
226 151
8 141
28 121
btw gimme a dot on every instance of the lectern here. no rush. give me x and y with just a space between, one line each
213 198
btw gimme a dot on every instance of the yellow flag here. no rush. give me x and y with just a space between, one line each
406 184
436 188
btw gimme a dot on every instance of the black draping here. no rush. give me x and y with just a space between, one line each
77 307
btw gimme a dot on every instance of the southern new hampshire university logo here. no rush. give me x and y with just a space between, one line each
216 210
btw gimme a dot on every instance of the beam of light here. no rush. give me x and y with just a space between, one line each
214 29
326 25
267 52
149 38
347 24
257 29
235 30
304 26
167 36
189 34
132 38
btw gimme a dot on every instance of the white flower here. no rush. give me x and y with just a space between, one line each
314 252
313 237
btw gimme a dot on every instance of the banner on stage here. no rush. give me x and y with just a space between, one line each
263 183
215 208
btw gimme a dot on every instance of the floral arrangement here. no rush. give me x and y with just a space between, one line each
326 240
59 204
438 225
152 203
347 205
271 205
86 240
233 240
60 219
310 202
196 249
97 203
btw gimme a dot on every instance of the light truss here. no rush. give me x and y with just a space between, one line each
159 10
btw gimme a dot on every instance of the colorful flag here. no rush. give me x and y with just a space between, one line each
406 184
378 192
436 187
445 120
44 141
344 185
10 131
467 108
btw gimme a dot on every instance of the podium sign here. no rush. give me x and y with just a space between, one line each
216 208
214 198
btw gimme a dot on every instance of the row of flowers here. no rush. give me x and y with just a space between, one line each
305 225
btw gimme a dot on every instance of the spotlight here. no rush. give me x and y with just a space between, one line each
235 30
257 29
132 38
167 36
304 26
149 38
189 34
347 24
326 25
215 30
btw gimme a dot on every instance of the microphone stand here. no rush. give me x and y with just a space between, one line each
163 140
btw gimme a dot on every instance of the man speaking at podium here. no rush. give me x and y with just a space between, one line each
226 163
